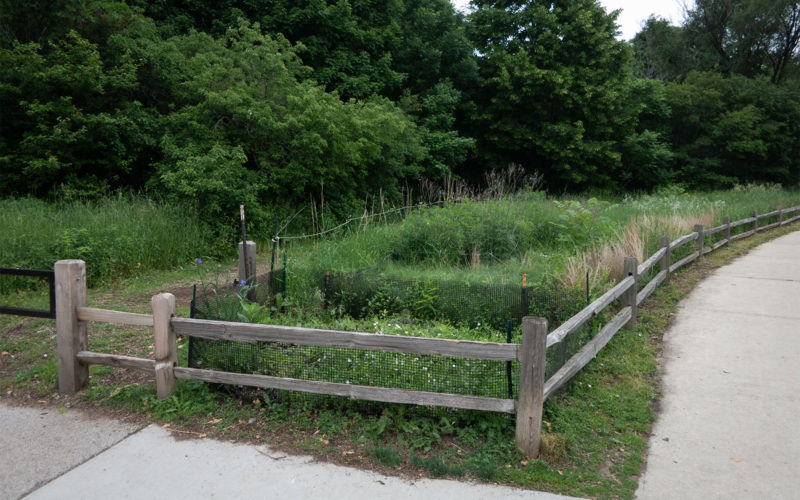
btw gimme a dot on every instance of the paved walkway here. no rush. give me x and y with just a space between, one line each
45 454
729 426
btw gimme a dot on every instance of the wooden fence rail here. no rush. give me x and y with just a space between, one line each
74 356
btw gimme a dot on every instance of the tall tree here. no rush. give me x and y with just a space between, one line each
748 37
552 92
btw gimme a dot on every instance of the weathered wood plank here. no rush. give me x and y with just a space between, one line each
650 288
248 332
629 297
791 209
382 394
71 335
683 262
115 317
770 226
789 221
727 221
698 228
714 230
587 353
96 358
742 235
165 349
531 385
650 262
719 244
742 222
683 240
589 311
774 213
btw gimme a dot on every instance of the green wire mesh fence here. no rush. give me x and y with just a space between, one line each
366 294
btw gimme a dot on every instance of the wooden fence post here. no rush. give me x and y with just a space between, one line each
71 337
698 228
247 261
727 221
780 215
755 221
629 297
531 385
165 349
665 259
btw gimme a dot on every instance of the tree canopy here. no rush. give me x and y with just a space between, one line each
272 102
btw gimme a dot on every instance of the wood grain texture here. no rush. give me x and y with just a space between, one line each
698 228
115 317
165 347
714 230
683 262
791 209
248 332
71 336
587 353
742 235
651 287
531 385
727 221
665 260
682 241
382 394
770 226
589 312
651 261
793 219
742 222
629 297
719 244
767 215
96 358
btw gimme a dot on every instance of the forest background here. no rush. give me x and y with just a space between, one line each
275 104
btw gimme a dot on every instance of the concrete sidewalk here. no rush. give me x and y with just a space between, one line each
45 454
728 426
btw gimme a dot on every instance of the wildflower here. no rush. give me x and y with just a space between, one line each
199 261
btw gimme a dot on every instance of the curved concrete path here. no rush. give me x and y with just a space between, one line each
51 454
729 425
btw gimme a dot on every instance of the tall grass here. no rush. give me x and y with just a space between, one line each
495 241
117 236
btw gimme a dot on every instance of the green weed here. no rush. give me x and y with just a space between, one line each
387 455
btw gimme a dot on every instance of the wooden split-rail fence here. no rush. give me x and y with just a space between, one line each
74 356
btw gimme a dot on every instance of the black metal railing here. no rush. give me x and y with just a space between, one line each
36 273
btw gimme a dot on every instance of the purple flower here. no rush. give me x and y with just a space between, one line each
199 261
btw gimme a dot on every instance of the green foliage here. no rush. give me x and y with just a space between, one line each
729 130
387 455
551 97
497 230
69 125
116 237
436 467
